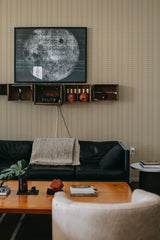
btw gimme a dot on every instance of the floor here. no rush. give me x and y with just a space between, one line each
134 185
28 226
25 226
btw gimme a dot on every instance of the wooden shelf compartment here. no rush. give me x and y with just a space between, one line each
107 92
47 94
76 90
20 92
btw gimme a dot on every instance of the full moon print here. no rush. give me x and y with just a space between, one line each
50 55
57 52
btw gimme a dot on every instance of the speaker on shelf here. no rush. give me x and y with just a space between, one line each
48 99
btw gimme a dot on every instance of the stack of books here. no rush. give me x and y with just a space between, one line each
150 164
83 190
4 190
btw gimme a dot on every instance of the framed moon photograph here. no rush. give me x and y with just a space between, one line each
50 54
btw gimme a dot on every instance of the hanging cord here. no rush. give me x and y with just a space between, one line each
132 158
64 121
56 132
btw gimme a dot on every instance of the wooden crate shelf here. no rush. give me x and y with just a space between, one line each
57 94
20 92
47 94
107 92
77 92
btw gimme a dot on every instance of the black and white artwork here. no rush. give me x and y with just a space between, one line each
50 54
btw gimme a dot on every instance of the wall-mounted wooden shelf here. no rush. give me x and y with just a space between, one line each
56 94
47 94
20 92
77 93
105 92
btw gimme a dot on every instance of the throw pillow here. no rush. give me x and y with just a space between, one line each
112 158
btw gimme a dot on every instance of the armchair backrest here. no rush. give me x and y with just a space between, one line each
139 219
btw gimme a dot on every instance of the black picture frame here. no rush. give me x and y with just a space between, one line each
50 54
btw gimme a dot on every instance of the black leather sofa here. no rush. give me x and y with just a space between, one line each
100 161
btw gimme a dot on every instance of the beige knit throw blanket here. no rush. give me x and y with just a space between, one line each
55 151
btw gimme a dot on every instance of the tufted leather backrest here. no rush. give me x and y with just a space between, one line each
137 220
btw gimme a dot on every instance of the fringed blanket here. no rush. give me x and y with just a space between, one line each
55 151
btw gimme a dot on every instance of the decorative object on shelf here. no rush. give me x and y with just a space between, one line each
50 54
55 186
20 93
83 97
71 98
70 95
104 95
48 99
79 93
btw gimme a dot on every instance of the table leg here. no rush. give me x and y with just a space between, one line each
150 181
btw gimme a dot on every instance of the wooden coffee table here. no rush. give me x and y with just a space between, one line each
108 192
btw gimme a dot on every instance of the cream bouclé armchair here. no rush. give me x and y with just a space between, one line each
136 220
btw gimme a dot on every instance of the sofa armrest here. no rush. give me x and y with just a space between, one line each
126 160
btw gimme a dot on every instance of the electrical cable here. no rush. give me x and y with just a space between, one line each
132 158
56 131
64 121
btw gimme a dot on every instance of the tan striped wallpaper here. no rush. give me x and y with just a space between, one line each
123 47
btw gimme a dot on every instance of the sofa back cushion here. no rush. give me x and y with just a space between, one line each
92 152
113 158
12 151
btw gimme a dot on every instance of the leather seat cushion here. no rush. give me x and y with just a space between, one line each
40 172
93 173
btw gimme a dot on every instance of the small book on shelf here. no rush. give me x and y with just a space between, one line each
149 164
83 190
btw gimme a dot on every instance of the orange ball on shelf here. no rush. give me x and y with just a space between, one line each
83 97
71 98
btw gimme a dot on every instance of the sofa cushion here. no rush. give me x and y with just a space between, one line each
113 158
12 151
46 172
84 173
92 152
